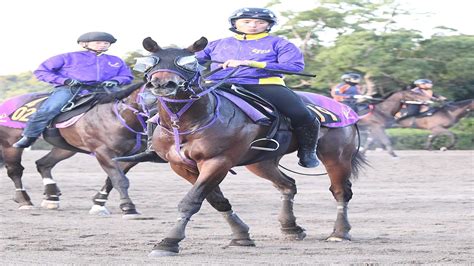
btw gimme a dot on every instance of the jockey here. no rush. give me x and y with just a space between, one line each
347 91
68 72
422 86
255 52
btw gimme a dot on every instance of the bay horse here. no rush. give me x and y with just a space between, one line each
440 121
92 133
382 116
203 136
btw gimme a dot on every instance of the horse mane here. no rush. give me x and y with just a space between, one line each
119 95
455 105
386 96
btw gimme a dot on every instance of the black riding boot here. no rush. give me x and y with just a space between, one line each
307 136
148 155
25 142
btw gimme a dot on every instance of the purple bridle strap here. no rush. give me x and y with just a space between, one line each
176 116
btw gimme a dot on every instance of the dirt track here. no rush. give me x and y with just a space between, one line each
417 209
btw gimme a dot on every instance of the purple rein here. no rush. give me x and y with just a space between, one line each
188 103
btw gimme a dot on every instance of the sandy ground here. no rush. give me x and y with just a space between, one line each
416 209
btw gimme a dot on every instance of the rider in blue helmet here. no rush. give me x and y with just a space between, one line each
68 72
347 91
422 86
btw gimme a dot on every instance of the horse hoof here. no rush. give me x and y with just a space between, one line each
27 207
162 253
298 236
99 210
443 149
134 216
332 238
50 204
242 243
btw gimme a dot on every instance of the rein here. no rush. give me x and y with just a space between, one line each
175 117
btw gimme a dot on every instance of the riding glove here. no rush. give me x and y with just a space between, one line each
72 83
109 84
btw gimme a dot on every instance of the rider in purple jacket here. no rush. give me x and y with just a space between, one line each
68 72
256 53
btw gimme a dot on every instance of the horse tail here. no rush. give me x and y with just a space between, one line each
2 162
119 95
359 160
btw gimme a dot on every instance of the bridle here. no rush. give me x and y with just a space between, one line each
192 79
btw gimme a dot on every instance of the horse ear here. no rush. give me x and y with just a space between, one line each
150 45
198 45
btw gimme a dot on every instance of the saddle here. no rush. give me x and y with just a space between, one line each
278 137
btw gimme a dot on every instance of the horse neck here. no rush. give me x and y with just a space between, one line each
199 113
461 110
132 99
391 105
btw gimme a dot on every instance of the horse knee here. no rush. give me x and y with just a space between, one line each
342 193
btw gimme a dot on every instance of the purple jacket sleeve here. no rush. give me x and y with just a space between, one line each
289 58
48 70
124 75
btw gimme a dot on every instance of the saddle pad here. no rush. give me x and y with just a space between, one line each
15 112
330 112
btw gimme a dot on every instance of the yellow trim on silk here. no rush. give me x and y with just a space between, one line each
272 80
257 64
251 36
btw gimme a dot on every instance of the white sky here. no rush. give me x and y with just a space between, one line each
33 30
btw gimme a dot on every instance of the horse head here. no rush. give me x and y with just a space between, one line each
168 70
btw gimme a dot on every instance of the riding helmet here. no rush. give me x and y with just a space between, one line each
422 81
96 36
255 13
351 77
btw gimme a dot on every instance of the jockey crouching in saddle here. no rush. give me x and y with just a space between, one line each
348 91
423 86
68 72
252 50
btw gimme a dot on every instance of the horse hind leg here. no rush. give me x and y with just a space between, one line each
240 231
44 166
287 187
12 160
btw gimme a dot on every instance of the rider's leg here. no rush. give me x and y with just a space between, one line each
49 109
412 110
304 122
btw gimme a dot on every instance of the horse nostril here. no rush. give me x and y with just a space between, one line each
170 85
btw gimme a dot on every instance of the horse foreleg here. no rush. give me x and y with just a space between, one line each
211 173
44 166
287 187
436 132
381 135
119 181
240 231
12 160
100 198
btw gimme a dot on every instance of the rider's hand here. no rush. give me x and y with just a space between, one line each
72 83
109 84
235 63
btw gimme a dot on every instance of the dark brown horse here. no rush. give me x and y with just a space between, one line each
382 116
438 123
107 130
204 136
